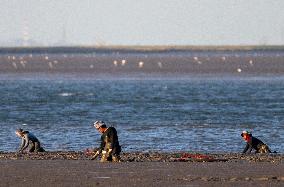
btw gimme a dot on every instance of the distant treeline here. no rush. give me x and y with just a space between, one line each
136 49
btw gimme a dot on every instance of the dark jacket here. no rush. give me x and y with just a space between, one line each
253 143
109 140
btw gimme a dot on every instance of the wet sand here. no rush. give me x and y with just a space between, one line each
141 169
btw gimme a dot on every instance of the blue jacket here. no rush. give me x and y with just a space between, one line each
26 139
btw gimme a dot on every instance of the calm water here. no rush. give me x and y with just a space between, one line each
161 114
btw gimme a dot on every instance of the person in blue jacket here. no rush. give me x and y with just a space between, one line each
28 140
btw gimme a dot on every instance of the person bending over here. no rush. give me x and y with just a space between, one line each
254 143
109 147
28 140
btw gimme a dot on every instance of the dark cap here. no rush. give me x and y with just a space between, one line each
20 130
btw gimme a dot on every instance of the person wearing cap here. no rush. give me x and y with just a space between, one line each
28 139
109 147
254 143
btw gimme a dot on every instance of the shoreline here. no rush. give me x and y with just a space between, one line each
137 75
149 156
136 48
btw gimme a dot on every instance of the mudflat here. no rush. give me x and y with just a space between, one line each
115 62
141 169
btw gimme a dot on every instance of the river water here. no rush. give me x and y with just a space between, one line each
189 113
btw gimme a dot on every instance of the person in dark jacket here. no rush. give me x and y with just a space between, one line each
28 139
109 147
254 143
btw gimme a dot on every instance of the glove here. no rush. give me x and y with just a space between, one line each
96 155
105 156
109 152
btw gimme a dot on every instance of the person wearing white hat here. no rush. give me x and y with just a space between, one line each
254 143
109 147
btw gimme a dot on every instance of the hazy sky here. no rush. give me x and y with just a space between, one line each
143 22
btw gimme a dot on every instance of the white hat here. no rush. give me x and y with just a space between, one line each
98 124
245 132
